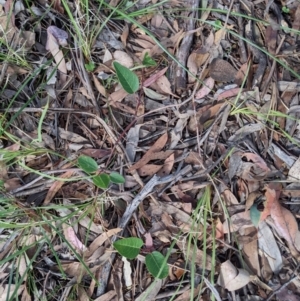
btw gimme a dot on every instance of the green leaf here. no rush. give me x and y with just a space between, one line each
90 66
218 24
87 164
116 178
156 266
129 247
255 214
128 79
148 60
101 181
285 9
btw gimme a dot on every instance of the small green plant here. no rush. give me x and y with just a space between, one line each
127 78
285 10
148 61
217 24
155 261
90 166
90 67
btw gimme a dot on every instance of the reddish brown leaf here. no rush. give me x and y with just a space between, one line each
153 78
257 160
156 147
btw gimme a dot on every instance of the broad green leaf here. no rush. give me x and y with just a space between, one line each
101 181
116 178
155 265
128 79
148 60
129 247
87 164
255 214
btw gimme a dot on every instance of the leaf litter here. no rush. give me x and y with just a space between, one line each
206 138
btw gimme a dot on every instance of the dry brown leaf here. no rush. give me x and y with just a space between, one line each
240 75
82 294
167 43
84 92
203 116
99 241
6 291
164 86
117 96
286 226
72 238
219 229
229 93
232 278
195 255
192 66
208 85
55 187
250 250
268 246
109 296
56 37
167 167
123 107
229 198
271 39
296 22
125 34
257 160
8 29
270 196
145 43
149 170
156 147
220 34
153 78
284 221
96 153
123 58
57 6
239 221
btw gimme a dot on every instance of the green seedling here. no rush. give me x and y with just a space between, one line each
103 180
155 261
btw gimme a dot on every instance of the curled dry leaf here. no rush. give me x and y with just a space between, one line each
232 278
